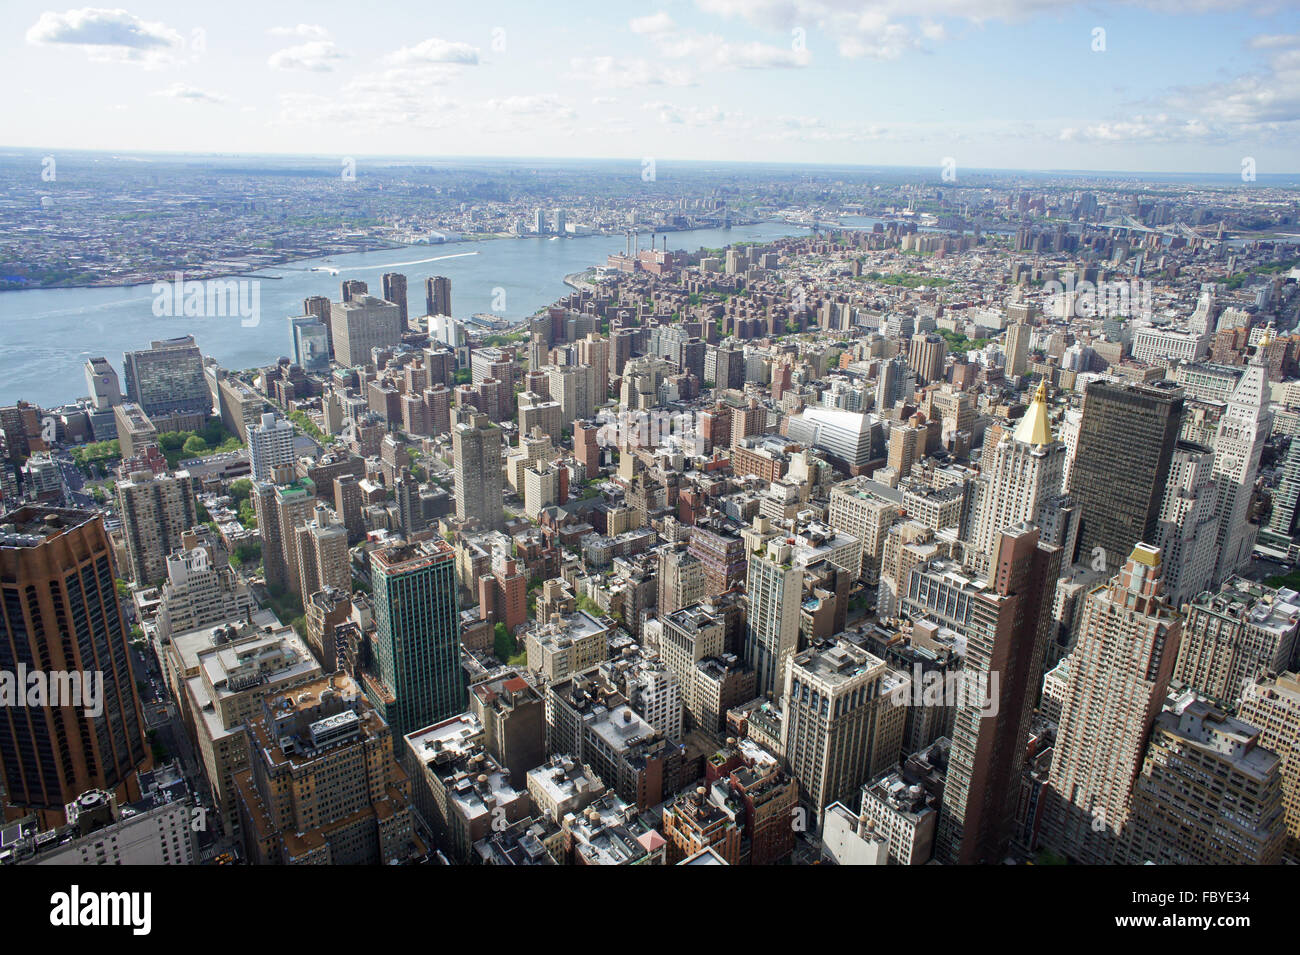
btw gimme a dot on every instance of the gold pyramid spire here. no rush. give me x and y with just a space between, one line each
1036 426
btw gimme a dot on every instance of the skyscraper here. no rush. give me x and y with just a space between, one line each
437 295
1121 465
1273 705
842 721
270 445
360 324
1286 500
156 510
1119 677
775 590
1024 474
395 292
1209 793
417 679
1238 445
477 448
1017 349
62 620
168 378
1233 635
1006 636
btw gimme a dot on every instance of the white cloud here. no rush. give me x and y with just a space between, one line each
109 36
306 31
191 94
316 56
435 50
659 22
608 71
543 104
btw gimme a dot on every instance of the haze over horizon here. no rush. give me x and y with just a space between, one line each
1171 88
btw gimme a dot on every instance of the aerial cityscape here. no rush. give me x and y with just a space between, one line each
803 491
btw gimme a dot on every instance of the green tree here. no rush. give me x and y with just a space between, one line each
194 446
240 491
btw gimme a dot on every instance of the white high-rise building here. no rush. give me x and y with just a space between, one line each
270 445
775 589
1243 429
1186 533
1026 471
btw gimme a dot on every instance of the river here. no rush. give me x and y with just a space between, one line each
46 335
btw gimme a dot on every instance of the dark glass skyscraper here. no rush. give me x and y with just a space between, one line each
61 623
1121 465
417 678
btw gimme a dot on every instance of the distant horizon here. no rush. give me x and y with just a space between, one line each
454 158
1147 86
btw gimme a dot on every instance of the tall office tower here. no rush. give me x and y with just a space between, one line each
722 554
1273 705
437 295
309 343
294 507
1209 793
594 351
1007 633
729 368
319 305
775 588
417 678
353 289
270 445
624 345
1187 523
395 292
575 387
865 509
61 616
1017 349
895 383
347 505
1022 477
1121 465
323 561
102 384
842 722
681 578
747 421
1235 634
906 447
360 324
1119 677
477 448
274 568
925 356
156 510
1286 500
1243 429
324 786
437 402
168 378
690 636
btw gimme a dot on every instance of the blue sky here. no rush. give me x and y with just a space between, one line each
1190 86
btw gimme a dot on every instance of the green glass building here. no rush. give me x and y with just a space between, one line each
417 678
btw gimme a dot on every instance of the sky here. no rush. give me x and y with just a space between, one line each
1144 86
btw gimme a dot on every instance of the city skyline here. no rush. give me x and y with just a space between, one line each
677 81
